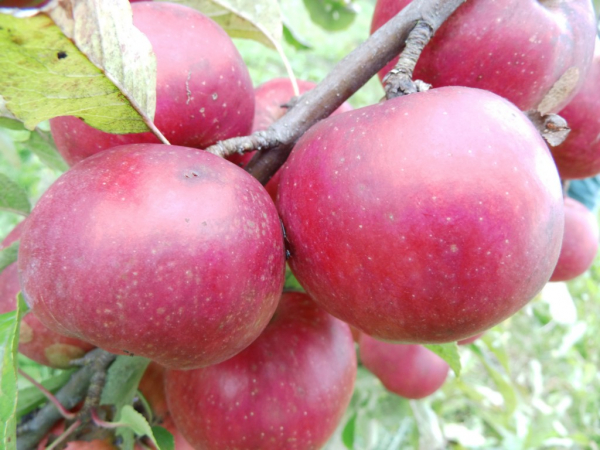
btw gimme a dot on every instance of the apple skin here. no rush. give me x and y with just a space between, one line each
36 341
410 371
204 91
165 252
579 155
22 3
289 389
269 98
415 220
517 49
580 242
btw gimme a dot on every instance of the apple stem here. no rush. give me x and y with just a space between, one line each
68 432
398 81
49 395
349 75
104 424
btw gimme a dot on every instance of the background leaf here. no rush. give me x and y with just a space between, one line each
332 15
449 353
8 255
293 39
43 73
13 198
259 20
9 340
40 143
348 432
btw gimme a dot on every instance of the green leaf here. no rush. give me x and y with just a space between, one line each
9 340
259 20
449 353
106 78
11 124
8 150
122 380
349 432
293 39
140 425
8 255
164 438
13 197
31 397
291 283
41 144
332 15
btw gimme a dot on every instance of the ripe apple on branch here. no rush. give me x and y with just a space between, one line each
424 219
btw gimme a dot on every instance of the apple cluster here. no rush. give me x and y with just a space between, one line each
424 219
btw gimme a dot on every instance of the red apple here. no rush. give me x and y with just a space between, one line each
579 155
410 371
36 341
515 48
289 389
204 92
165 252
425 219
580 242
270 98
96 444
22 3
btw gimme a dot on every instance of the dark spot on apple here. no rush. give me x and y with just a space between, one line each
192 174
187 220
61 55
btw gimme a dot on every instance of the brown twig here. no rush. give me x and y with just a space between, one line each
399 80
92 400
344 80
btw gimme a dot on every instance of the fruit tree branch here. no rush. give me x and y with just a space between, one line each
344 80
75 390
49 395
